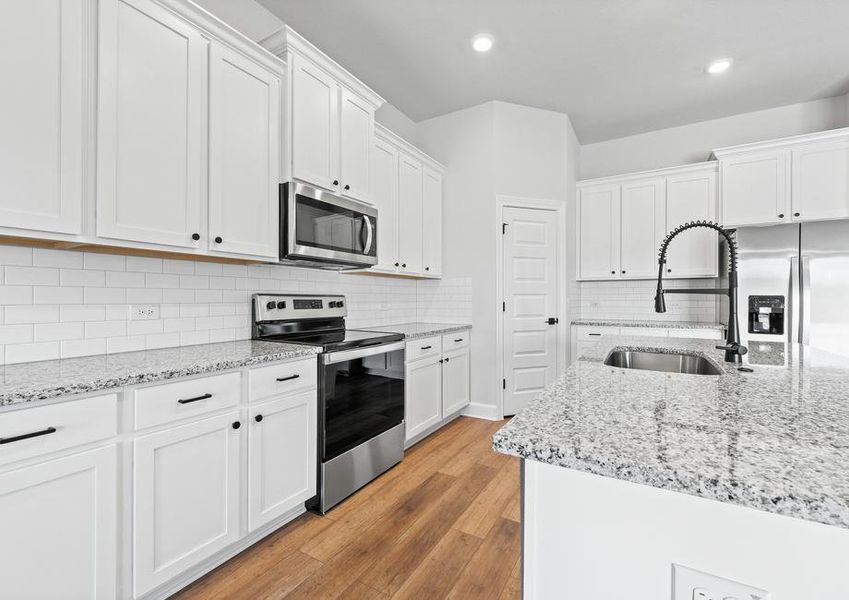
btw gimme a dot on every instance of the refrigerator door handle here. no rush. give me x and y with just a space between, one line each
805 293
794 298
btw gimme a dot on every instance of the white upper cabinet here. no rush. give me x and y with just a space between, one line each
431 223
41 115
695 252
355 144
151 120
244 121
598 223
754 189
385 196
642 226
820 175
410 193
315 125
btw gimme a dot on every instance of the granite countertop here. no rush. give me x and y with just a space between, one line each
412 331
29 382
776 439
647 323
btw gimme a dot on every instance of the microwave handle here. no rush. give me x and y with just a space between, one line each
369 234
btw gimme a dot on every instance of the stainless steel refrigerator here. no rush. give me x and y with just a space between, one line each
794 284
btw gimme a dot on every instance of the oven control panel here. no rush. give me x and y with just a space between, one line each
282 307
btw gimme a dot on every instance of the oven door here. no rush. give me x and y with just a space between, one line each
362 396
319 226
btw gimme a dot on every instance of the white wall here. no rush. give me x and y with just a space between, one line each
694 142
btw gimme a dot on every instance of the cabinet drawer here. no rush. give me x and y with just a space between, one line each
282 378
417 349
590 334
453 341
187 398
57 426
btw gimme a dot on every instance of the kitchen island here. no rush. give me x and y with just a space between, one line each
744 475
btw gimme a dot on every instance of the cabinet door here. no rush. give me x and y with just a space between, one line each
186 497
432 223
598 223
355 143
455 382
754 189
423 395
694 253
643 221
244 145
384 187
315 125
821 181
281 457
151 115
58 520
41 58
410 189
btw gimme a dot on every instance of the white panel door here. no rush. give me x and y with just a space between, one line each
151 119
422 395
821 181
41 112
410 200
281 456
530 297
755 189
244 160
431 223
355 142
59 524
598 230
315 125
455 381
643 221
186 497
694 253
384 185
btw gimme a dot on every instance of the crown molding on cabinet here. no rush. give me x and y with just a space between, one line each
402 144
707 166
286 40
795 140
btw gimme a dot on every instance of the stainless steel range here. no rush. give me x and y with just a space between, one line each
360 389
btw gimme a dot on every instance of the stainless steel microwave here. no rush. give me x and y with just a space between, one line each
321 230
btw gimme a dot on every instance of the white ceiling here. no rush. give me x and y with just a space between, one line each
617 67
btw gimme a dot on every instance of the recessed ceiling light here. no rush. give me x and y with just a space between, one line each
482 42
719 66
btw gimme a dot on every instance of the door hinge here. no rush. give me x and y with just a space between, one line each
503 384
503 228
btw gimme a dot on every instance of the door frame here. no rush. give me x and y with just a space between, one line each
559 208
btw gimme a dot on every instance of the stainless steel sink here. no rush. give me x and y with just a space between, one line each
660 361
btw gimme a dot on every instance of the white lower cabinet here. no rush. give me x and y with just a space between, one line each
59 528
186 497
281 456
437 383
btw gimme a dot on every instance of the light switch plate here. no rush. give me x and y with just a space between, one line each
690 584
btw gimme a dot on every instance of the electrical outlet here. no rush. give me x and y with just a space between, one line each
144 312
690 584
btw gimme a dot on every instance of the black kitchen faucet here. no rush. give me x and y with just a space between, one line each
733 349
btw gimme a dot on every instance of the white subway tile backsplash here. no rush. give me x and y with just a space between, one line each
32 276
144 296
125 344
178 296
144 327
635 300
105 329
83 278
15 255
57 295
31 314
16 334
72 348
124 279
82 313
162 340
94 295
144 264
104 262
43 257
162 280
50 332
15 294
189 338
181 267
194 282
18 353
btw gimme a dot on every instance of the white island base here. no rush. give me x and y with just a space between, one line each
588 537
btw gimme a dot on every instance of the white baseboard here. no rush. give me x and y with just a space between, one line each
482 411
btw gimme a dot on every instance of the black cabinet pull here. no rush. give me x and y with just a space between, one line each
236 425
258 418
195 399
289 378
458 340
218 240
595 334
195 236
426 347
27 436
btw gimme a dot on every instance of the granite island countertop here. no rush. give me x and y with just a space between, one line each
30 382
776 439
416 330
647 323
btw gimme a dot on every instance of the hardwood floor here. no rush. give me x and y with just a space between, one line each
442 524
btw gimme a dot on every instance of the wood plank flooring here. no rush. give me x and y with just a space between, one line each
442 524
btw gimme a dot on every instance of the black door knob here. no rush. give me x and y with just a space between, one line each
218 240
258 418
335 182
195 236
347 187
236 425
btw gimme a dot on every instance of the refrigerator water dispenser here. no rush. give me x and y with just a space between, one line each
766 315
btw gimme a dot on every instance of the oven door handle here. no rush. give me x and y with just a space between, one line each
344 355
369 234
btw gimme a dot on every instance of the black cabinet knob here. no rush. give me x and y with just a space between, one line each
258 418
781 216
397 264
236 425
623 271
335 182
218 240
447 359
271 305
613 272
668 270
796 215
281 305
195 236
347 187
404 265
427 268
441 360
